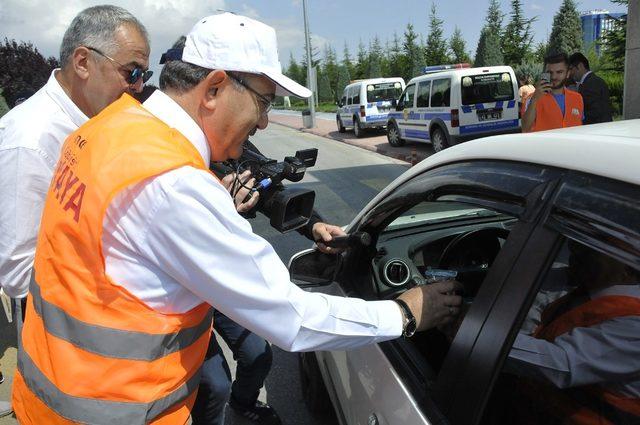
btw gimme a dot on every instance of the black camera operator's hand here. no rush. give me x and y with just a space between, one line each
323 232
434 304
240 192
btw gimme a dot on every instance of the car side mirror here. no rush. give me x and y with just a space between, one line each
312 268
394 103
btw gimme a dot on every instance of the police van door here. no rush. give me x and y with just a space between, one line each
403 111
420 117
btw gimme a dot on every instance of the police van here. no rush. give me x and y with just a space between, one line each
366 103
448 106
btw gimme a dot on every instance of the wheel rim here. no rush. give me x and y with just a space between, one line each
438 140
392 133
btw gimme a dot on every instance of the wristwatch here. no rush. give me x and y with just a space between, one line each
409 321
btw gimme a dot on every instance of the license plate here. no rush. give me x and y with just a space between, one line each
486 116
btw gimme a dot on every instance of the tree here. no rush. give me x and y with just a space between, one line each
22 69
330 66
294 71
325 93
413 60
614 43
343 80
346 60
566 32
362 65
4 108
436 51
517 36
375 58
314 59
395 58
488 52
458 47
540 51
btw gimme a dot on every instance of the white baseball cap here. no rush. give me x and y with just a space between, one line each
236 43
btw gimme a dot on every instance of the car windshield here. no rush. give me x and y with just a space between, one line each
485 88
437 212
383 91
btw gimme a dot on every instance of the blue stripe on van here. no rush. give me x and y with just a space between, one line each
395 114
499 104
444 116
466 109
488 126
479 106
417 134
512 103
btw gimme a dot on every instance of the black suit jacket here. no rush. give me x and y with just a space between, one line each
595 94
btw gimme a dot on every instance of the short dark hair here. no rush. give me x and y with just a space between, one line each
577 58
557 57
181 76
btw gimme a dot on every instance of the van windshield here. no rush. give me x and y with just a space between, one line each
486 88
383 91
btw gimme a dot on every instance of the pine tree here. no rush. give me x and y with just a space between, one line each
566 32
413 60
488 52
347 61
294 71
458 47
325 93
395 58
330 66
614 44
517 36
315 61
362 65
436 49
343 80
375 59
495 16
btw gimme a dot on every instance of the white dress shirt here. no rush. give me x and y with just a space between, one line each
176 240
607 353
31 135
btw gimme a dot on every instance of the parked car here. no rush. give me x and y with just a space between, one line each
366 103
454 105
502 213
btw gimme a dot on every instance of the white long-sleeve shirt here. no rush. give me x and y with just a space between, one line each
607 353
176 240
31 136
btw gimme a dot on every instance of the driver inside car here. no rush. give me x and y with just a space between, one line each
584 357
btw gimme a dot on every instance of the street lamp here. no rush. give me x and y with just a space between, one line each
311 101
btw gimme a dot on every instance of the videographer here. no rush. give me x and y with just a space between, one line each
138 240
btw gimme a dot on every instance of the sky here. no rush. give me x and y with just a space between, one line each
333 22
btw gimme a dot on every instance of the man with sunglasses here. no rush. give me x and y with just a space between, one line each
103 54
138 241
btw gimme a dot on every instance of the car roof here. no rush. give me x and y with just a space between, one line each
609 150
462 72
376 80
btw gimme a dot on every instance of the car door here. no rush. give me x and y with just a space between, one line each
396 381
403 110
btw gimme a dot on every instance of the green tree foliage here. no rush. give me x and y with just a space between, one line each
540 51
436 49
395 61
489 48
325 92
347 61
4 108
294 71
614 44
458 47
517 36
22 69
330 67
376 56
412 54
315 61
362 64
495 17
566 32
343 80
528 69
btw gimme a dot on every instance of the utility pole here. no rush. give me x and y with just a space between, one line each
631 105
311 101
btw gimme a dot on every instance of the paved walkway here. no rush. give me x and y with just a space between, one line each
373 140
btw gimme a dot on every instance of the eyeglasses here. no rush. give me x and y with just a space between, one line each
265 102
134 74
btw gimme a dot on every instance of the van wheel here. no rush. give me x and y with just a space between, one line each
341 128
439 140
393 136
357 129
314 392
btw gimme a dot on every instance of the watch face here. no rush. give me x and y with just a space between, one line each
411 328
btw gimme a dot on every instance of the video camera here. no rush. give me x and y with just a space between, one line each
287 208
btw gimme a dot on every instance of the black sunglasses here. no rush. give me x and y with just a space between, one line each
134 75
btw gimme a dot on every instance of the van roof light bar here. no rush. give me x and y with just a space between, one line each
437 68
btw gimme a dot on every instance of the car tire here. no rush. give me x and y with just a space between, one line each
357 128
439 139
393 135
314 392
341 128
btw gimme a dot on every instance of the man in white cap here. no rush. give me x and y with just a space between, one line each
138 240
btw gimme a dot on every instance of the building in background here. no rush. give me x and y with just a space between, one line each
595 24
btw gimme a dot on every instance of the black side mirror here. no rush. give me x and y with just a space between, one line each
312 268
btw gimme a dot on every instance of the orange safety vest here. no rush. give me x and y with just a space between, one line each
590 313
549 115
93 352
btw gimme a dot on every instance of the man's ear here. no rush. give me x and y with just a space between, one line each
210 87
80 62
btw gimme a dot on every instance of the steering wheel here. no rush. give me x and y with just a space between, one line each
472 254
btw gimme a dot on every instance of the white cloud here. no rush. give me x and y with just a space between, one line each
536 6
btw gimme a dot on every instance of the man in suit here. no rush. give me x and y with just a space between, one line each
594 90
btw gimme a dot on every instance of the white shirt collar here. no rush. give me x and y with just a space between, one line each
60 97
583 77
172 114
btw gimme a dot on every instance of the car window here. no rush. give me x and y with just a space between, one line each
383 91
485 88
424 89
441 93
406 100
575 354
356 95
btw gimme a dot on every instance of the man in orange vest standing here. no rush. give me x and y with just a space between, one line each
552 105
138 241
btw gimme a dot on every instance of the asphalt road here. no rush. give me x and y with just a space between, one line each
345 178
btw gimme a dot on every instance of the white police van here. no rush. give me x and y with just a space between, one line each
366 103
449 106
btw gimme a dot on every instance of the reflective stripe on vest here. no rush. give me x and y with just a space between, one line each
94 411
113 343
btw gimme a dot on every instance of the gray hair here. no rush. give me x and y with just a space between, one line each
181 77
96 27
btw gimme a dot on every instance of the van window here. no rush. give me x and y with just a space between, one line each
406 100
350 95
383 91
356 94
485 88
424 89
441 93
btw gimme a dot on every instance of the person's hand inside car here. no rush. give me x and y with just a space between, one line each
434 305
